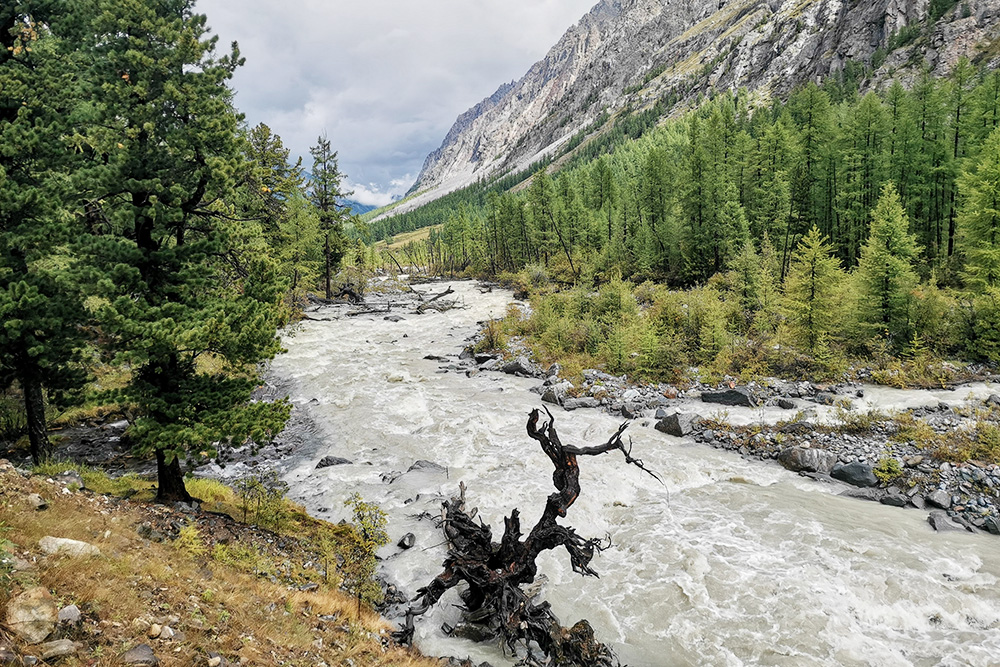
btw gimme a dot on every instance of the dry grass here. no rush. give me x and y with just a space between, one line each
218 607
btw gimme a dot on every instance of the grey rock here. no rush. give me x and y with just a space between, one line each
552 395
8 657
807 459
582 402
871 493
66 547
992 525
825 398
632 410
393 318
32 615
895 500
70 615
483 357
855 473
407 541
939 498
427 465
678 424
329 461
37 502
59 649
521 366
941 522
140 655
787 404
740 397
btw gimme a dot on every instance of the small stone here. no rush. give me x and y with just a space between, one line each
32 615
787 404
37 502
70 615
407 541
59 648
140 655
215 661
166 632
154 631
60 545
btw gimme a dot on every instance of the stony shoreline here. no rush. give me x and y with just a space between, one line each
867 453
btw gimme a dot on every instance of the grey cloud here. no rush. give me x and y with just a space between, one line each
384 79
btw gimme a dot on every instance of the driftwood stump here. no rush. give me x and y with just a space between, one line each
495 606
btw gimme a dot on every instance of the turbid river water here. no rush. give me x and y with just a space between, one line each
732 562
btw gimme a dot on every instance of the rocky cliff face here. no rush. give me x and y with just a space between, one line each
628 54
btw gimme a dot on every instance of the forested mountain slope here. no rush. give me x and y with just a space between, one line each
626 56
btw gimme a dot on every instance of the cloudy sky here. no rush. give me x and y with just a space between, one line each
384 79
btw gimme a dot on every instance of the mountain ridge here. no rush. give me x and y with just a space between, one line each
626 55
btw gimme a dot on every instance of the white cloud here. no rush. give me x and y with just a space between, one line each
383 79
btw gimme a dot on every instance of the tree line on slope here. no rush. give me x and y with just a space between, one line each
143 225
891 196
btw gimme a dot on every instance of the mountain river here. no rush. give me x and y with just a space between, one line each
731 562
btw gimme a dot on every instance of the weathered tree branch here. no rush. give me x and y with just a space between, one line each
494 572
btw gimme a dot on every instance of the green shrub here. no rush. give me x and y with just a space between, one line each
359 553
887 469
262 499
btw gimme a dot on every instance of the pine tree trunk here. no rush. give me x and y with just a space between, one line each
170 480
34 408
326 253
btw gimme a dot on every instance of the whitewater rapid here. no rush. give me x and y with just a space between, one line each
730 562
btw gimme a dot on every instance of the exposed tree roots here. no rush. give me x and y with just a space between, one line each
495 605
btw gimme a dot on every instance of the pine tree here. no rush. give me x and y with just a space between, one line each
40 304
326 195
886 278
811 289
165 135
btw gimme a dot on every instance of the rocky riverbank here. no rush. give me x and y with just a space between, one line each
940 458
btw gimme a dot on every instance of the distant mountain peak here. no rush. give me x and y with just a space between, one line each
626 55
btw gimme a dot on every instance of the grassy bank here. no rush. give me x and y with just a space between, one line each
249 594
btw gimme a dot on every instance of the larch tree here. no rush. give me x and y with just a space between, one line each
979 218
886 278
164 135
811 289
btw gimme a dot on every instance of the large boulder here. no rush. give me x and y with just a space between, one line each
66 547
521 366
807 459
739 396
32 615
678 424
941 522
939 498
855 473
582 402
328 461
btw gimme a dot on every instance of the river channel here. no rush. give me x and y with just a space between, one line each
730 562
